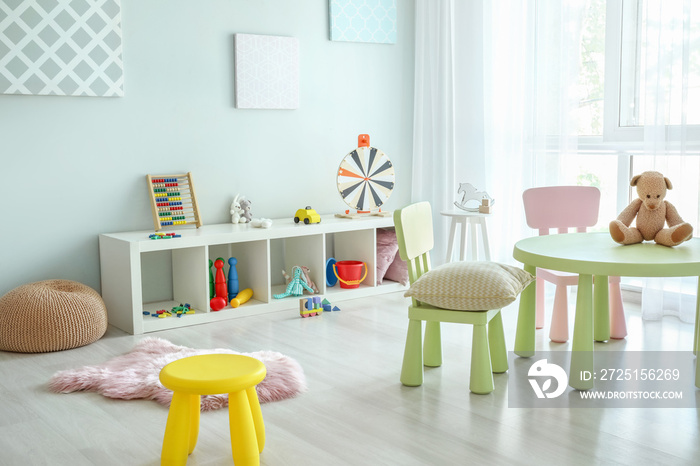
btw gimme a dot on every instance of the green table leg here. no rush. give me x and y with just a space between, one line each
697 320
525 332
601 309
697 336
582 345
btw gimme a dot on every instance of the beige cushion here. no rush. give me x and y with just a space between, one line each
470 285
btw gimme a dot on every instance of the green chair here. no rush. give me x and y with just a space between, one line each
414 232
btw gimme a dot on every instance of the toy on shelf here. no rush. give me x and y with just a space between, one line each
242 297
365 180
305 277
232 278
350 271
212 293
295 287
173 201
652 213
219 301
472 200
307 215
245 207
182 309
238 213
331 279
164 236
261 222
305 270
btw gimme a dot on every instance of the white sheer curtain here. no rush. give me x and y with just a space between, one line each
434 156
515 82
668 30
531 69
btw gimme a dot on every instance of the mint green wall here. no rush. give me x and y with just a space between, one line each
74 167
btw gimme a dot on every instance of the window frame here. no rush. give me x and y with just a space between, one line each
688 136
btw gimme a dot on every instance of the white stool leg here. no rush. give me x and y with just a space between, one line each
474 255
485 239
462 252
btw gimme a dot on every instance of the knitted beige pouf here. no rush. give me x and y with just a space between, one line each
51 315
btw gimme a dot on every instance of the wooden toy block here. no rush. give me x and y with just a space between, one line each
485 209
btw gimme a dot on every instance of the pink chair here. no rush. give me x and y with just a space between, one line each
564 207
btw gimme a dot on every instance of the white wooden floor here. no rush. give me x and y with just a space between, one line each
355 412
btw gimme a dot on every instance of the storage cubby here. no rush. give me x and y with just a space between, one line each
359 245
140 274
252 260
297 251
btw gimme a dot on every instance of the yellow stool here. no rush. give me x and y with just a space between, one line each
213 374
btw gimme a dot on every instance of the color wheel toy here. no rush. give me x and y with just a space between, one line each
365 179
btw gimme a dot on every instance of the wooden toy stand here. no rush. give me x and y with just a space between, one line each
173 201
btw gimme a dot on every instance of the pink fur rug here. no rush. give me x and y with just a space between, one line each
135 375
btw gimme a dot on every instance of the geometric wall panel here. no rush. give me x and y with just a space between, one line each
267 71
363 21
61 47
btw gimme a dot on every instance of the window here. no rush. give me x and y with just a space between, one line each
652 72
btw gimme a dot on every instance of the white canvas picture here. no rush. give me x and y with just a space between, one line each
61 47
267 71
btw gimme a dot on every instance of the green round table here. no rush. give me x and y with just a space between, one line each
588 255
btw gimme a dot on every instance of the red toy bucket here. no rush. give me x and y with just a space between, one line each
348 273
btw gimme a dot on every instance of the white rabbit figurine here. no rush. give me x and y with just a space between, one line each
236 211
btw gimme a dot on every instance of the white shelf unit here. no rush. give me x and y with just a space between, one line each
140 274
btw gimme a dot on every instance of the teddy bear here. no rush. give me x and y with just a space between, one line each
651 211
246 216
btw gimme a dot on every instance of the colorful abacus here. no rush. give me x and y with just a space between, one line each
173 201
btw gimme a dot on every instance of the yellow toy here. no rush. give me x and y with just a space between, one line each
242 297
652 212
307 215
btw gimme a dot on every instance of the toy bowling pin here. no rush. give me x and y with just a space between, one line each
232 278
220 282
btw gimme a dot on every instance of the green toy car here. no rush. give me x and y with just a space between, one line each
307 215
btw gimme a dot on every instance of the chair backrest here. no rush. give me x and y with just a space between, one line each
414 234
561 207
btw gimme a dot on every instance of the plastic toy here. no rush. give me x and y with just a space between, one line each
173 201
220 281
164 236
295 287
232 278
217 303
211 280
246 216
652 213
307 215
242 297
331 279
365 179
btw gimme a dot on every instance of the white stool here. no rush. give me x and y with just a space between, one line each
462 217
